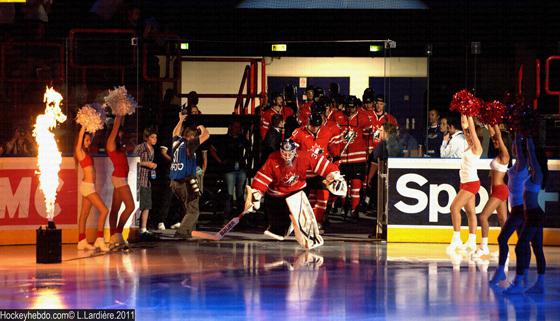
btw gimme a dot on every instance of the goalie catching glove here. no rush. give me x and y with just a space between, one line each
336 184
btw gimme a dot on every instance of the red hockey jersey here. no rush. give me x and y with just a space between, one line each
304 112
325 142
266 118
377 122
278 180
359 125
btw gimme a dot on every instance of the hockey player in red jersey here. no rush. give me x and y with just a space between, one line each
321 138
284 174
380 117
277 108
304 110
356 128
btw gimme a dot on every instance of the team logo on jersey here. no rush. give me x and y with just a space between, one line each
316 149
290 178
350 135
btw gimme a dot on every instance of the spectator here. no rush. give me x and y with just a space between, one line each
389 146
36 17
233 157
454 143
434 135
160 186
271 142
7 20
22 144
133 19
408 143
103 11
192 103
146 172
183 172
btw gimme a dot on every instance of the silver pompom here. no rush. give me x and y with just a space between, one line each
91 117
121 102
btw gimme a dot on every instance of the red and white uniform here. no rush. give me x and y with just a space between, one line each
277 179
359 123
377 122
333 114
266 118
304 112
325 142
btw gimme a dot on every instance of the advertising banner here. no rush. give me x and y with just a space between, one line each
420 192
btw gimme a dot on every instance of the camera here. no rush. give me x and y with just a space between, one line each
194 186
184 109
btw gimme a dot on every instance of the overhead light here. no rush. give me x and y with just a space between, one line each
184 46
375 48
279 47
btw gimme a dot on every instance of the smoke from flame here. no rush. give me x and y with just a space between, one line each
49 157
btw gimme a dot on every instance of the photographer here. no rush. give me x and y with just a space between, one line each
22 144
183 172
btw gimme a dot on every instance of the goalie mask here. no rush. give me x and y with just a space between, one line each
288 150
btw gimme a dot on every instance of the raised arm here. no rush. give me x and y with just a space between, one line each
469 130
504 153
537 173
179 126
111 141
204 134
78 151
520 161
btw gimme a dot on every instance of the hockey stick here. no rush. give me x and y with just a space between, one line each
231 224
350 140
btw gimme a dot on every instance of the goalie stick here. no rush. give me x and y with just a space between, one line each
231 224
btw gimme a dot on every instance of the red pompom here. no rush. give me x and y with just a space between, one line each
492 113
521 118
465 103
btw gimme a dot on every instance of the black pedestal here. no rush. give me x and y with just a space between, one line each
49 244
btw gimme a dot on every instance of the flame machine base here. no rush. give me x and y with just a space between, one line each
49 244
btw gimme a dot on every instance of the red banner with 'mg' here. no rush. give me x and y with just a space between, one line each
22 202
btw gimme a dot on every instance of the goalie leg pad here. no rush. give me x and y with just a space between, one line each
303 220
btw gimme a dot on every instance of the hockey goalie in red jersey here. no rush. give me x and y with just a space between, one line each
283 176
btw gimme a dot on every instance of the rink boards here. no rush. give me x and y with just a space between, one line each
22 206
420 192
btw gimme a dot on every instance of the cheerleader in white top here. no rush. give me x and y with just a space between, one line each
499 190
470 184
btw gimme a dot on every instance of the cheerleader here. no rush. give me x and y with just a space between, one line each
89 195
532 231
470 184
121 193
499 190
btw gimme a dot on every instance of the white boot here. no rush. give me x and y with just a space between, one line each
100 244
455 243
481 251
84 245
176 226
470 244
161 227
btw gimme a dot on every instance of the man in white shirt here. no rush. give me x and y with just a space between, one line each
454 143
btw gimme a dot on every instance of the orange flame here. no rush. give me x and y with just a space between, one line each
49 157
